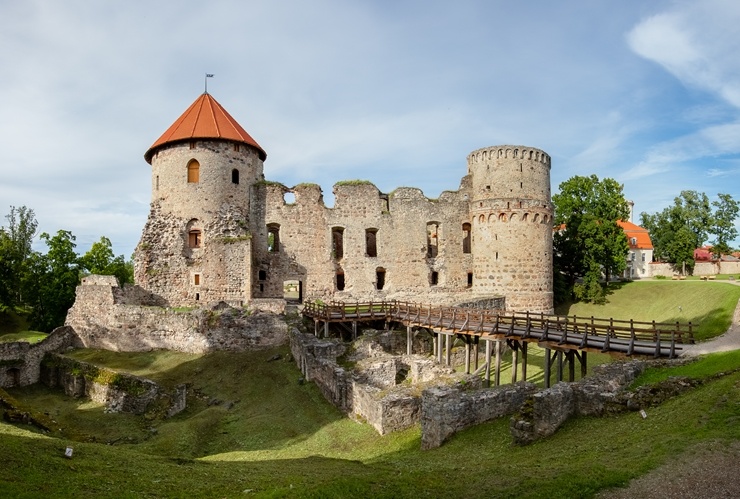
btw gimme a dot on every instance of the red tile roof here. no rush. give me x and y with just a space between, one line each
204 119
641 235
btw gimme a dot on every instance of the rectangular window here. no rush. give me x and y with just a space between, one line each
340 281
432 239
371 248
466 238
379 279
196 279
273 238
434 280
643 257
337 242
194 238
470 279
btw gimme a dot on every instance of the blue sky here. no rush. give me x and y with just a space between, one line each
395 92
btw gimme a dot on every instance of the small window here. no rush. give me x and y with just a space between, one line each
262 288
632 256
371 248
262 275
432 239
434 279
196 279
157 184
195 238
337 242
340 281
273 238
193 172
470 279
192 144
235 176
197 296
236 147
379 278
643 257
633 241
466 237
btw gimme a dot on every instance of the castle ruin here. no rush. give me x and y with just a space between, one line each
218 231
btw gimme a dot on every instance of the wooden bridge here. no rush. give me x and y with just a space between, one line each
565 339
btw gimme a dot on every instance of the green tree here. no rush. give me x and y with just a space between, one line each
679 229
54 278
15 249
588 242
100 260
723 224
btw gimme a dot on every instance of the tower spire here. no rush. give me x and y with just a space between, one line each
208 75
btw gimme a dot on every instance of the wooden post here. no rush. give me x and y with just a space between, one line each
547 367
439 347
354 330
409 340
476 340
560 367
497 373
488 363
326 329
514 360
434 344
524 360
448 348
467 355
584 366
571 366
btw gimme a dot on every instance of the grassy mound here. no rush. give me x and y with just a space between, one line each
255 431
707 305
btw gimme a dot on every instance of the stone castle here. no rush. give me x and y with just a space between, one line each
218 231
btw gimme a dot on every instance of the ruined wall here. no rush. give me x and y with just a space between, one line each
213 265
119 392
112 318
20 362
446 410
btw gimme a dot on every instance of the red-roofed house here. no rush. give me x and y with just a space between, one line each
641 251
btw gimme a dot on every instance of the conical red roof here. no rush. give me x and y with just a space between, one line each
204 119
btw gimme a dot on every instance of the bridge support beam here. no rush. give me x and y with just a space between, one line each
488 363
476 341
448 348
409 340
497 372
467 354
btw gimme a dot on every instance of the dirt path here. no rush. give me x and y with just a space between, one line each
728 341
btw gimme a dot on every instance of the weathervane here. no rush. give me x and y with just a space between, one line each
208 75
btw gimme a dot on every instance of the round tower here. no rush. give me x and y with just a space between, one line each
195 247
511 217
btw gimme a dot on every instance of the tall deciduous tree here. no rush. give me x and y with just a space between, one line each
15 249
100 260
588 241
679 229
723 224
56 275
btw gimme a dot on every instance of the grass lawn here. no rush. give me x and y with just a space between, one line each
709 306
280 438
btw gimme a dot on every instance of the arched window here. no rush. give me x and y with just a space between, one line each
379 278
235 176
193 172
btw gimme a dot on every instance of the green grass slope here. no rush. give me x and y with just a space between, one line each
282 439
707 305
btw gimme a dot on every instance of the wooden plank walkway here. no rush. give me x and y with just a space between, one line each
582 333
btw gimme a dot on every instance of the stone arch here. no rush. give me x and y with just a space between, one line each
513 217
536 218
502 217
482 219
194 233
491 218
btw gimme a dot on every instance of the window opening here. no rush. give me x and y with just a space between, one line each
157 183
193 172
262 275
235 176
434 278
262 288
273 238
371 248
466 237
192 144
470 279
236 147
195 238
196 279
337 242
379 278
340 281
197 296
432 239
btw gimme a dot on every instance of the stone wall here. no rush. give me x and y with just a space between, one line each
700 269
544 412
382 389
446 410
109 317
119 392
20 361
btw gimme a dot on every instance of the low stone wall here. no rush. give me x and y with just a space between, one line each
109 317
700 269
119 392
382 389
20 361
446 410
544 412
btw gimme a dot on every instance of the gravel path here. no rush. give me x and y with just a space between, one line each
709 470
